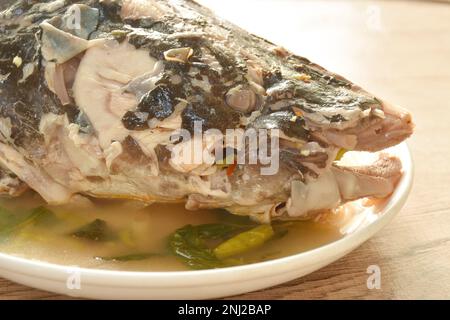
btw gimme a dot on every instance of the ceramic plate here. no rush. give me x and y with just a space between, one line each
103 284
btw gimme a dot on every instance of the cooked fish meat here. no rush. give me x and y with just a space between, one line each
93 92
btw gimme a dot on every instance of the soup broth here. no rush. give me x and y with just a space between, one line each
136 237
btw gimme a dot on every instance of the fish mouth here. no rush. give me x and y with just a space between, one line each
387 126
339 184
395 126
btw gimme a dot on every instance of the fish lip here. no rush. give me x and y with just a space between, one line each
393 128
384 137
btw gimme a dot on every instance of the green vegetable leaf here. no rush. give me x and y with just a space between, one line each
98 230
190 244
244 242
11 222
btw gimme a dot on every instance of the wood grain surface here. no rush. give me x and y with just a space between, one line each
399 50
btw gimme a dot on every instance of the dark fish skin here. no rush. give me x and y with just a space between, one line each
284 121
224 77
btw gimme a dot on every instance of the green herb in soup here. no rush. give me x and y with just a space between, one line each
12 222
98 230
192 244
244 242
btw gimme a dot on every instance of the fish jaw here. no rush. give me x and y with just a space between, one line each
397 127
340 184
377 179
390 127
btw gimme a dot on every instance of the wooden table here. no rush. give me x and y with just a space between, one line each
399 50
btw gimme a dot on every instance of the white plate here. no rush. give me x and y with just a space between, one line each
102 284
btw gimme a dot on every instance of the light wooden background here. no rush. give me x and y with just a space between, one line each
399 50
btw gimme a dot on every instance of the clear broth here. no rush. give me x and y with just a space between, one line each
141 230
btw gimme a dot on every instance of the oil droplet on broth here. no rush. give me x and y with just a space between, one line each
141 230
